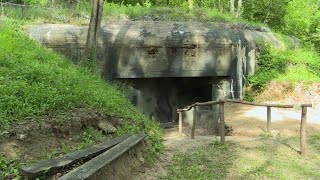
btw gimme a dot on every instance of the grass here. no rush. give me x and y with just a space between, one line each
36 82
266 158
80 14
284 66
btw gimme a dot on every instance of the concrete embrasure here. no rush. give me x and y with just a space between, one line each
39 168
88 169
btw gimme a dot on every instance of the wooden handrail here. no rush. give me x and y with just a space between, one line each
209 103
221 103
268 105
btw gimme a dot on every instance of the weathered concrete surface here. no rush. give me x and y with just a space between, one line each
168 64
160 49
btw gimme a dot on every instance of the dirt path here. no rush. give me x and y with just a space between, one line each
249 120
248 123
173 143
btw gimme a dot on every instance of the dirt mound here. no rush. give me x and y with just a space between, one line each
35 139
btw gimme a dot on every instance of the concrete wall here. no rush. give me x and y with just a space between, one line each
168 65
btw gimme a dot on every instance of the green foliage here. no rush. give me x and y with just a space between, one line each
37 2
287 66
293 17
290 66
35 81
9 168
299 17
265 11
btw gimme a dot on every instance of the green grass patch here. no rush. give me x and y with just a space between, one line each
80 14
266 158
34 82
289 66
202 163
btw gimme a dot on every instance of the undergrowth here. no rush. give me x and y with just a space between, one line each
34 82
289 66
80 14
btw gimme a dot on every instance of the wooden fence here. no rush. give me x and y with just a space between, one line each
221 103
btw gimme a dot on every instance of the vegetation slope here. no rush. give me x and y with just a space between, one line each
37 83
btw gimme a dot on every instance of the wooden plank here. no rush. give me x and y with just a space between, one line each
209 103
194 121
303 135
221 114
268 118
266 105
188 108
241 102
39 168
180 123
94 165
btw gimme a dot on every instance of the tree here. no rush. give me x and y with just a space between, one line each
270 12
92 37
232 7
239 8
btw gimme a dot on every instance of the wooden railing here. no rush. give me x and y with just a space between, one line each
221 103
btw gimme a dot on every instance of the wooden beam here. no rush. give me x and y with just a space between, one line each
188 108
267 105
180 123
268 118
93 166
222 126
39 168
194 121
303 135
209 103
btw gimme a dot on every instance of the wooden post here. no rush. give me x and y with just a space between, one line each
303 138
221 114
194 121
180 122
268 118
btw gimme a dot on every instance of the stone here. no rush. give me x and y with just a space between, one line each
22 136
107 127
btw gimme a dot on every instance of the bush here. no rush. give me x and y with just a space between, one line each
292 66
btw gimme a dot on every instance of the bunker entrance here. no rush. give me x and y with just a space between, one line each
159 98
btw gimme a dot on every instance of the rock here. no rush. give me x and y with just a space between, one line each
22 136
141 159
107 127
265 29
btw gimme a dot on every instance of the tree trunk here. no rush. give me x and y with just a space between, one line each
239 8
94 27
232 7
190 5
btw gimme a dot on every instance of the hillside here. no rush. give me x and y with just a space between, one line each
281 72
50 106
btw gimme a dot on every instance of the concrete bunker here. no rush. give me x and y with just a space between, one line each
168 65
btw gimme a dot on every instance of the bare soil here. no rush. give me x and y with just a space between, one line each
34 139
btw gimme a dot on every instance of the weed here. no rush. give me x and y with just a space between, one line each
290 66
